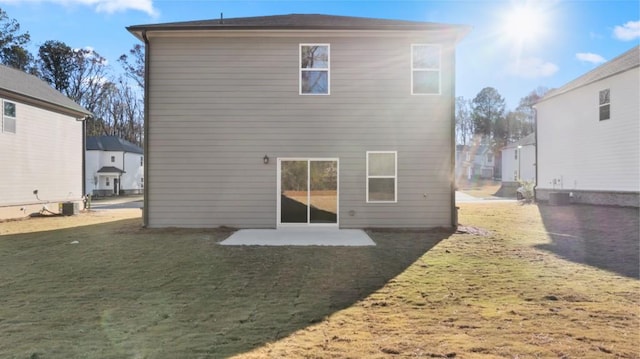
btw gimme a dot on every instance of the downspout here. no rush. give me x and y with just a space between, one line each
452 173
84 156
535 136
145 140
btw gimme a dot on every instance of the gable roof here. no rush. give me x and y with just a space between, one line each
111 143
19 86
109 169
622 63
527 140
298 22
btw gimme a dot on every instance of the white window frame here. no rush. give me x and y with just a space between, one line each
301 70
427 69
5 117
395 176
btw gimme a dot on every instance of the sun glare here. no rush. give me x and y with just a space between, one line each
524 24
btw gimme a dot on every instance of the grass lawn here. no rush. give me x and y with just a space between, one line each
522 282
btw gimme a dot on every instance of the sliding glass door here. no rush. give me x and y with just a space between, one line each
308 192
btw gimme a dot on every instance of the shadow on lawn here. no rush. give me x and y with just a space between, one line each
177 293
599 236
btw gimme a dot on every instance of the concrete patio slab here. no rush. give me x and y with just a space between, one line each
299 237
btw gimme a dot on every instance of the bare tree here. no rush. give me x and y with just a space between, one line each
526 111
133 64
120 112
464 122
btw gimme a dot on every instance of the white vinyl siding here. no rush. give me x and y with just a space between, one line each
8 117
314 69
382 176
44 154
576 151
215 110
425 69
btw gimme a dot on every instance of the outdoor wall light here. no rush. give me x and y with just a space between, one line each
265 159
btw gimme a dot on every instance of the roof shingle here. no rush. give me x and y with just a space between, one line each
19 85
299 21
111 143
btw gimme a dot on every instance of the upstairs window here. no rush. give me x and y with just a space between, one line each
113 158
605 105
141 160
9 117
314 69
382 175
425 69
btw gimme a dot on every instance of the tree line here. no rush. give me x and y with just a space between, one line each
84 76
485 120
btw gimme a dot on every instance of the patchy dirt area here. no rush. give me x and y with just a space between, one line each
517 281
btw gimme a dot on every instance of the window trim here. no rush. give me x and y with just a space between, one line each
395 176
606 104
14 117
427 69
301 69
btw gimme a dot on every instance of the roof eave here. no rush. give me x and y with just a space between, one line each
16 96
138 30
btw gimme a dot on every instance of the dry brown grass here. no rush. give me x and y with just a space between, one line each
323 200
522 282
479 188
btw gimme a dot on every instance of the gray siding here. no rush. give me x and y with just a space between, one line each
218 105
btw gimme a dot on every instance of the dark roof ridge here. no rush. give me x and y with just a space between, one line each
298 21
111 143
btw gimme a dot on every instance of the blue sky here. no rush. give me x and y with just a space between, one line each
547 44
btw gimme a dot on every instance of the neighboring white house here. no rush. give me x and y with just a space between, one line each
464 168
518 165
114 166
519 160
299 120
41 146
589 135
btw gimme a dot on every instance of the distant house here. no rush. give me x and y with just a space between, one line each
588 135
519 160
464 168
114 166
41 146
299 121
475 161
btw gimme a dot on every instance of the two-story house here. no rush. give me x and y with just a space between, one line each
299 120
588 130
114 166
41 146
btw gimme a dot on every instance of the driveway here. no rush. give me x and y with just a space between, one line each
117 202
462 197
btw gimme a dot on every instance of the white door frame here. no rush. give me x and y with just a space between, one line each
279 224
